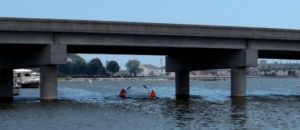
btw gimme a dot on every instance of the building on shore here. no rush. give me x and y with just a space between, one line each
279 69
263 69
211 73
151 70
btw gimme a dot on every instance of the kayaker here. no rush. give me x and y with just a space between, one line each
153 94
123 93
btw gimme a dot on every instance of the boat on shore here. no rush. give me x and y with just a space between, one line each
26 78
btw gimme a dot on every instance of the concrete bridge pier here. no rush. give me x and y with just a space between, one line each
48 84
6 85
55 55
182 79
238 82
182 84
47 57
237 60
241 60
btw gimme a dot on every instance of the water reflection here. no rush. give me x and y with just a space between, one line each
180 112
6 106
50 104
91 106
238 112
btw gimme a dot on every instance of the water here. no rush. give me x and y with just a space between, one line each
271 104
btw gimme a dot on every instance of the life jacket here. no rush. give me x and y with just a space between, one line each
153 94
123 93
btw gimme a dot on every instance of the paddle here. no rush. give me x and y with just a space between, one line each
128 88
149 91
146 87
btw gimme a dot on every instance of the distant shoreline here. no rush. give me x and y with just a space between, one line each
202 78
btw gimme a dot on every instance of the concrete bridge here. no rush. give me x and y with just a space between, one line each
45 43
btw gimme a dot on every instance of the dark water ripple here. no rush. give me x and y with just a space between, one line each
271 104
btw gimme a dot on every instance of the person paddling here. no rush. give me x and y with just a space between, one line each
153 94
123 93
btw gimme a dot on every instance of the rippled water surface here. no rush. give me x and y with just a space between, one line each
271 104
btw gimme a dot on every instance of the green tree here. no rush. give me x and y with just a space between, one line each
95 68
113 67
65 69
76 65
133 66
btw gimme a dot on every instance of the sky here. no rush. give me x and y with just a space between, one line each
250 13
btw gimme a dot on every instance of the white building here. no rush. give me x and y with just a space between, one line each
151 70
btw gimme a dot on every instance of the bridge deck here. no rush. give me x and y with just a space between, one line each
83 36
108 27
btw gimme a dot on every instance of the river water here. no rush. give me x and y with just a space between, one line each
271 104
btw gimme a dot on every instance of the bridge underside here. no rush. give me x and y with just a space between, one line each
33 52
293 55
180 60
208 52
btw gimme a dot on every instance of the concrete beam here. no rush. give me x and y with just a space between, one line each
108 27
83 39
274 45
244 58
56 54
38 38
6 85
32 55
212 60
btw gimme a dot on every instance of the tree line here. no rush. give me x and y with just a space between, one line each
76 66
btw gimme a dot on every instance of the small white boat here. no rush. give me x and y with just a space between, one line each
25 78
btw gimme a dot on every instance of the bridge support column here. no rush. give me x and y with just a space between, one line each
238 82
48 89
238 60
182 84
6 85
241 60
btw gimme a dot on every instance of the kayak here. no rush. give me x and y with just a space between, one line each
137 97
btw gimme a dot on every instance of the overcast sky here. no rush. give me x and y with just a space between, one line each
253 13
